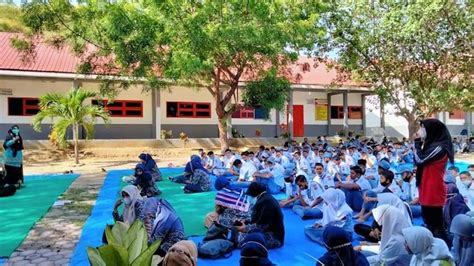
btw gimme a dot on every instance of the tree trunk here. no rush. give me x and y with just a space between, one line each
223 133
412 126
75 136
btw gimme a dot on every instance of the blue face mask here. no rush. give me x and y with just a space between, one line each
252 200
16 131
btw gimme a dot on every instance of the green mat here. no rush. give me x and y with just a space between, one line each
20 212
184 204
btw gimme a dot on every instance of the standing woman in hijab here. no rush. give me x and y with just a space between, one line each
433 149
13 156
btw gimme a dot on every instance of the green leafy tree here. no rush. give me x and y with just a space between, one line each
271 92
10 20
418 55
208 44
69 111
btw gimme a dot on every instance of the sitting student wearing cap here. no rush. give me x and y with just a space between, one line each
354 187
327 160
409 190
272 177
339 169
389 183
308 203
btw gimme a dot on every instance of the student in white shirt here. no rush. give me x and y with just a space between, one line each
228 159
214 164
273 178
309 199
255 160
322 177
302 166
466 188
354 187
339 169
247 170
309 159
409 190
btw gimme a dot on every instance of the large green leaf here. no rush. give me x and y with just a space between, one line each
145 258
94 257
110 236
132 233
114 254
119 230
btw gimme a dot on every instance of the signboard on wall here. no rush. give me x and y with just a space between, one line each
321 109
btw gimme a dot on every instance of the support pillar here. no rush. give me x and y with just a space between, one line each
290 115
277 124
345 103
468 121
156 114
364 123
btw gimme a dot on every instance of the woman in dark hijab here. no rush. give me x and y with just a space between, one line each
254 251
145 181
433 149
454 205
200 180
340 251
13 157
267 218
150 166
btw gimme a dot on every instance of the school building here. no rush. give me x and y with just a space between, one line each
316 108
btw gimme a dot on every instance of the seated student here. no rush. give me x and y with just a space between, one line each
388 185
426 249
133 205
309 159
214 164
354 187
162 223
230 205
228 159
255 160
272 178
409 190
322 177
339 249
283 160
392 222
339 169
262 153
370 197
454 173
266 217
291 191
145 182
462 229
6 190
336 212
247 169
254 251
454 205
188 171
200 180
302 165
466 188
309 199
150 166
183 253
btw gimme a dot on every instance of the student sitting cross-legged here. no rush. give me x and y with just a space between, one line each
309 201
354 187
336 212
272 177
200 180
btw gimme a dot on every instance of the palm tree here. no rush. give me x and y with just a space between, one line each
70 111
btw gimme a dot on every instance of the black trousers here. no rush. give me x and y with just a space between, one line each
14 175
433 218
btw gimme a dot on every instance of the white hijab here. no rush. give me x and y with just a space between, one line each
392 200
129 209
393 222
336 208
427 250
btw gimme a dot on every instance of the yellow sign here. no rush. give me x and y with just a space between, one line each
321 112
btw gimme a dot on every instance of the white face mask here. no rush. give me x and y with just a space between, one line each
127 200
467 183
422 133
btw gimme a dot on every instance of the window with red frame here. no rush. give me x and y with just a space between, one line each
121 108
188 109
244 112
23 106
337 112
457 114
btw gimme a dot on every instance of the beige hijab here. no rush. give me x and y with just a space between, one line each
183 253
129 215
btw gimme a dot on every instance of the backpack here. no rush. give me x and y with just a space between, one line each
215 244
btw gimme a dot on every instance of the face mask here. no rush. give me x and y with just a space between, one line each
407 179
16 131
467 183
422 133
385 184
127 200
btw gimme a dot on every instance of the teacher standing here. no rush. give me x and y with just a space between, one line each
433 149
13 156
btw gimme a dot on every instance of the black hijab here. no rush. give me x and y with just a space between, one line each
17 145
254 251
437 134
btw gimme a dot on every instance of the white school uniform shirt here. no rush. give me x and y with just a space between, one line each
215 163
311 194
284 161
343 169
278 173
467 193
325 180
393 187
311 162
302 167
228 161
349 160
256 162
409 190
247 170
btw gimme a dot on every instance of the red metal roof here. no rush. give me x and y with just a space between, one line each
63 60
